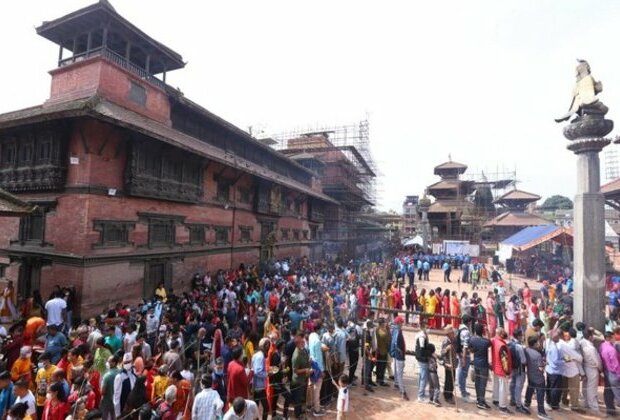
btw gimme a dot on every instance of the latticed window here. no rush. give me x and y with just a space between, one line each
113 232
32 228
221 235
296 234
305 233
197 234
285 234
161 232
245 233
223 190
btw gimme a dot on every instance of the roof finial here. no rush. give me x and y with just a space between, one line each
449 157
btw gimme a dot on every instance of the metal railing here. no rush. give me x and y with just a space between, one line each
114 58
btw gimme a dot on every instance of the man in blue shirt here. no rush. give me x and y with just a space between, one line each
554 370
55 342
296 317
7 398
315 347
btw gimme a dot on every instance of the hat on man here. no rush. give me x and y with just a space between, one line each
399 320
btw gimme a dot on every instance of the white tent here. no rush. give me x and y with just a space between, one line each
414 241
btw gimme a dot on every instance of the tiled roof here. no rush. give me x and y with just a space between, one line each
451 165
518 195
517 219
449 206
611 188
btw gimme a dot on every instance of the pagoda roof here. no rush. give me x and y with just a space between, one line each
522 219
611 188
104 110
518 195
11 205
63 30
449 206
450 165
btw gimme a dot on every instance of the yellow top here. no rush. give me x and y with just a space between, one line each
160 383
47 375
431 305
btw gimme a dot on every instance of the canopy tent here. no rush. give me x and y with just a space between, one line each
417 240
532 236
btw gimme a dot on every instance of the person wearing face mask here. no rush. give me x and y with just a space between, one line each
219 378
123 384
43 379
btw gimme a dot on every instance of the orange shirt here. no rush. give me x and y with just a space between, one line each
21 368
30 330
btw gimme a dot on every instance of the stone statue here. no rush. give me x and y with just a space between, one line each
585 103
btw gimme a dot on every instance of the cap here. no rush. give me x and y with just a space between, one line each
399 320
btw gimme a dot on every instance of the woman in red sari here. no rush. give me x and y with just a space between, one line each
455 310
491 318
445 307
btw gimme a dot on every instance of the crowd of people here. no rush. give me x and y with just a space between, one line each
291 339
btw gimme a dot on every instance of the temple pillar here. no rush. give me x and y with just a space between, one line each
589 233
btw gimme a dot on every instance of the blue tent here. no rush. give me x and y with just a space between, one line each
530 234
526 238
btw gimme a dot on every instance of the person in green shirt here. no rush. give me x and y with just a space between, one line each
112 341
300 364
102 355
383 338
107 389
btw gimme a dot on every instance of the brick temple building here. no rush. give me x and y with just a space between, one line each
134 183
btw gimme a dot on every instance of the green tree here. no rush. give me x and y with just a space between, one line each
557 202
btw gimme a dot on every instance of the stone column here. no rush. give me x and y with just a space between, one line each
588 226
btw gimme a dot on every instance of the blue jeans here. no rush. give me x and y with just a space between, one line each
461 376
423 379
517 380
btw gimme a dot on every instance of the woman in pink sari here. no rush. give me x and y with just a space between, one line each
527 295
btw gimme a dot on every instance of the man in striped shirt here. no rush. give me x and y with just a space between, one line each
207 403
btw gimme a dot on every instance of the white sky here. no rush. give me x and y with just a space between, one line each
480 80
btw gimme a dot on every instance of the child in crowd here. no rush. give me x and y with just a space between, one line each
343 396
433 377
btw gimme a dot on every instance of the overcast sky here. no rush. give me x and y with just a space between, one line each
479 80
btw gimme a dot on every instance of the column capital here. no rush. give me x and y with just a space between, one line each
588 145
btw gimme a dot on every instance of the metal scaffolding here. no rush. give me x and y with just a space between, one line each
351 140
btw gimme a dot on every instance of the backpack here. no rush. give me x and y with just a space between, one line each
420 352
517 363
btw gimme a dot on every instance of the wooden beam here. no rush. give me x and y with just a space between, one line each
83 138
104 37
60 53
147 66
128 51
89 42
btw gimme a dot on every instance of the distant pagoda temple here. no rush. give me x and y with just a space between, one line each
514 215
452 205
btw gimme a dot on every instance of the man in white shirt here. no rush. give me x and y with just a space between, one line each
592 365
242 409
56 311
207 403
572 368
24 395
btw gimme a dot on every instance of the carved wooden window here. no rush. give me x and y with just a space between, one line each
9 154
245 234
221 235
305 234
285 234
32 227
113 233
137 93
26 150
244 195
161 232
296 234
197 234
223 190
299 208
266 229
314 233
